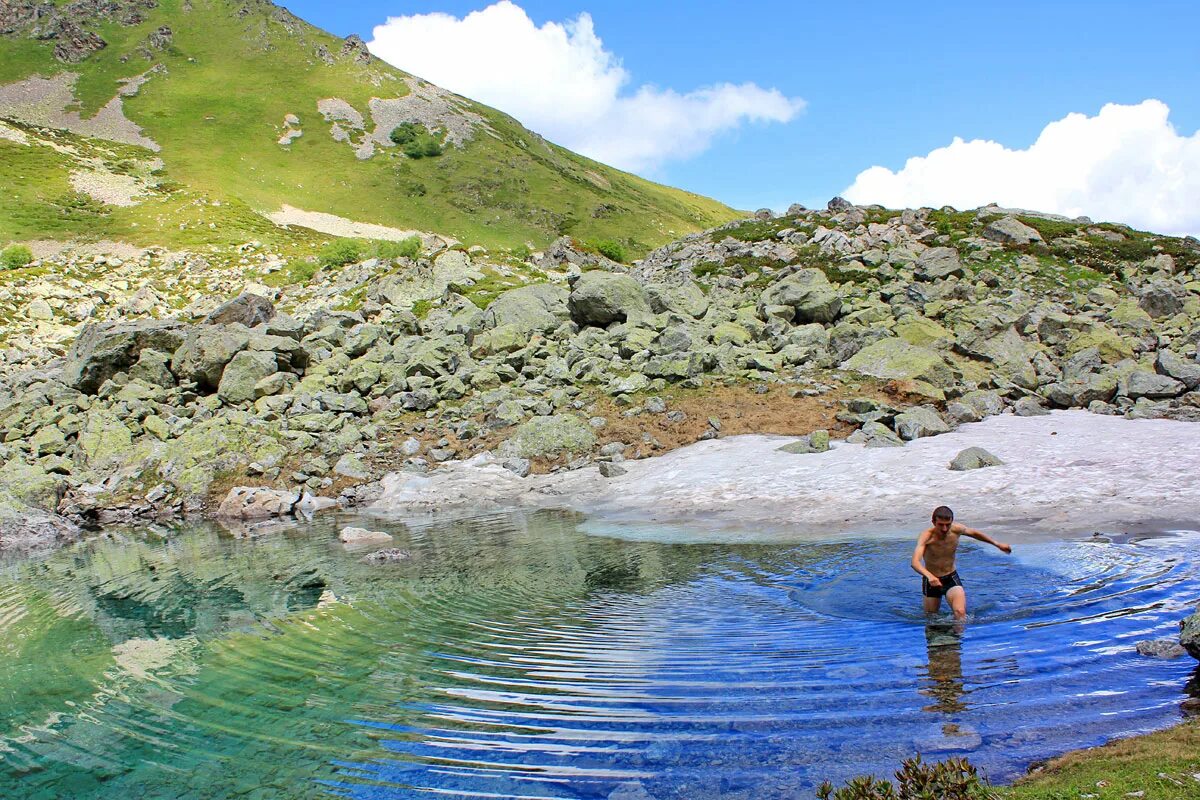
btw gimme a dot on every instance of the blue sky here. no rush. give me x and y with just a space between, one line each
879 83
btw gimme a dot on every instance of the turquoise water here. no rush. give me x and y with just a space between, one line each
517 656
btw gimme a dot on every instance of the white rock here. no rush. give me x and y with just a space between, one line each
352 535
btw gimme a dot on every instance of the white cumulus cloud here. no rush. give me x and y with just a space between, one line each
559 80
1126 164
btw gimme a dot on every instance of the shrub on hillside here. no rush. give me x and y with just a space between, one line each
405 132
611 250
339 253
15 256
953 779
405 248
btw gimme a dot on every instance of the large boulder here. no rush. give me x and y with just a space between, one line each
1189 635
206 350
252 502
1160 299
242 374
106 348
1010 230
974 458
1144 383
807 293
681 296
918 422
938 263
898 360
246 309
1179 368
1083 390
541 307
602 298
548 436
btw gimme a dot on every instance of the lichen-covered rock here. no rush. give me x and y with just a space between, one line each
103 349
807 293
549 436
602 298
1143 383
974 458
243 373
815 442
104 439
898 360
538 308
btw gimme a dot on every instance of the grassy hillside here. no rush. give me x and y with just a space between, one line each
230 74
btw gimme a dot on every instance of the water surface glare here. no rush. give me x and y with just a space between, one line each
514 656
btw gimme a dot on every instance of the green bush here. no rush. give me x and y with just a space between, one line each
15 256
612 250
405 132
405 248
521 252
339 253
953 779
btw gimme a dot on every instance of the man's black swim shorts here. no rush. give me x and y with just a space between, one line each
948 583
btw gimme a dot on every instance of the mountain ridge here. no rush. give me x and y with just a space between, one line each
246 102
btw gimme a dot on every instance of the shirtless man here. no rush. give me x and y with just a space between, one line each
933 560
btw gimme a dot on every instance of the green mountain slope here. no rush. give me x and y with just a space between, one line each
246 104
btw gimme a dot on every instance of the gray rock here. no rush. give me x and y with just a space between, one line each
410 447
1179 368
807 293
919 422
1143 383
610 470
602 298
103 349
353 535
517 466
961 413
681 296
974 458
1029 407
206 350
875 434
938 263
986 402
1010 230
1160 300
388 555
153 367
1189 635
252 502
1160 648
815 442
246 309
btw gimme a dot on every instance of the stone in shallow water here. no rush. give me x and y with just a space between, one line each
388 555
353 535
1160 648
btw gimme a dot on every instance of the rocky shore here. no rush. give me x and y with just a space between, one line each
898 325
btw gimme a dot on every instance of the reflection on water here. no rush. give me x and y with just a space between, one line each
514 656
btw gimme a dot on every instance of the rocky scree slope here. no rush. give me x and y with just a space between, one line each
129 396
243 103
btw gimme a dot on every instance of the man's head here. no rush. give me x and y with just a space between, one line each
943 518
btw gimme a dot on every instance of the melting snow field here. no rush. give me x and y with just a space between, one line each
1066 473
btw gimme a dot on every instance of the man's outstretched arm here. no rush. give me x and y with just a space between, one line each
983 537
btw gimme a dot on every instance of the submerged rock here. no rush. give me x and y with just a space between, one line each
353 535
1160 648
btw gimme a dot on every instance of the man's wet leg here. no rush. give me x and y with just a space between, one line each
957 598
932 604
